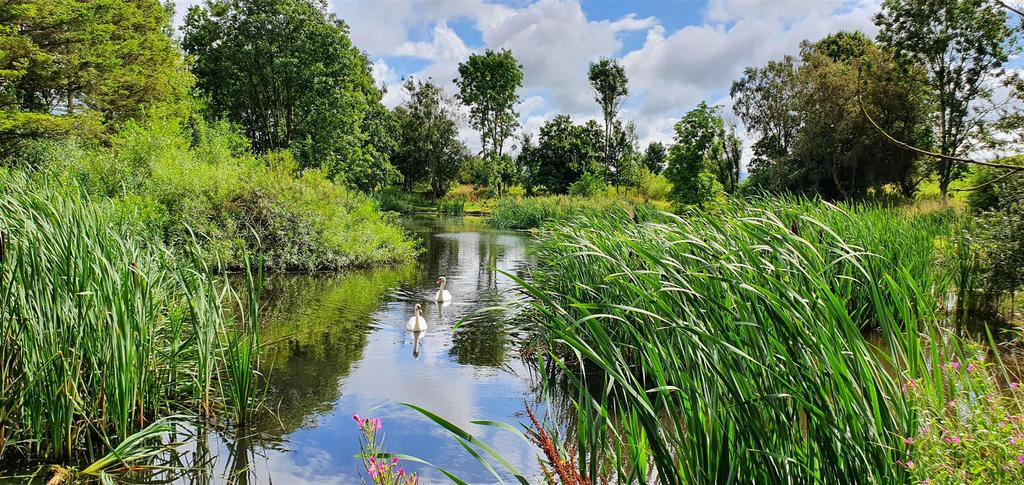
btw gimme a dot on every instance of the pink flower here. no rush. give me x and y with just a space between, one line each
952 440
394 460
1013 441
910 385
376 424
1014 385
954 365
373 460
1020 459
908 440
971 367
401 471
910 464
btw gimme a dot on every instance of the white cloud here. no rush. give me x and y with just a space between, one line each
555 41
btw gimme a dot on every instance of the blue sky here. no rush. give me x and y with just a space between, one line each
676 52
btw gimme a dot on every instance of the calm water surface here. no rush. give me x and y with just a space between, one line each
341 348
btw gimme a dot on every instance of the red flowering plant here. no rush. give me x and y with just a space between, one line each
974 435
380 467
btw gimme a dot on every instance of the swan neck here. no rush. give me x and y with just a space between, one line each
442 285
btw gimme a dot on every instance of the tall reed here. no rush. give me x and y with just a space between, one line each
726 347
101 333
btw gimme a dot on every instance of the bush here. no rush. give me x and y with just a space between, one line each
970 431
588 185
451 206
654 187
532 212
170 183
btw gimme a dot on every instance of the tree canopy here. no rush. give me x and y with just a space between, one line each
429 148
700 136
71 65
813 136
288 73
564 152
963 45
489 84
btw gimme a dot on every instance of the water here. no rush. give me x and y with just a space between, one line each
341 348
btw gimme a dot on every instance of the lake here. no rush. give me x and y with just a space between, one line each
338 347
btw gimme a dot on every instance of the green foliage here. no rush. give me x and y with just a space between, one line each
564 152
699 144
451 206
963 45
997 235
68 66
814 137
653 187
655 157
429 145
533 212
488 84
287 71
971 433
129 332
169 183
588 185
608 78
689 346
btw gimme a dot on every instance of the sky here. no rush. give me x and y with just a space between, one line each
676 53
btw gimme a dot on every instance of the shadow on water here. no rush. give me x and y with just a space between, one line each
338 346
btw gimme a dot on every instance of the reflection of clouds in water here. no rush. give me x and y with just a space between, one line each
460 383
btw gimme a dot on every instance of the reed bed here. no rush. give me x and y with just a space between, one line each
727 346
102 334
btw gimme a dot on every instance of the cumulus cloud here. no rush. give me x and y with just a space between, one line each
555 40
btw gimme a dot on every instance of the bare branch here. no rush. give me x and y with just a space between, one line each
860 101
1008 7
986 184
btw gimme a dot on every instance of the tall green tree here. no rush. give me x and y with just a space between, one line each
70 66
728 166
287 71
813 136
963 44
764 99
564 152
428 138
608 78
699 138
489 85
655 156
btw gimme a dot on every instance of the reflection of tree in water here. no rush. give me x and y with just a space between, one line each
316 327
481 340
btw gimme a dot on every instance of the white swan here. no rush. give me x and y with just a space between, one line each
417 323
442 294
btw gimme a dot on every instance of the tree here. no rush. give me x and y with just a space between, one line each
728 166
963 45
624 155
608 78
814 138
288 73
429 145
699 145
69 66
488 84
564 152
654 157
764 99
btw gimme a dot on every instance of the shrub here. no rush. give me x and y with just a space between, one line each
451 206
654 187
588 185
171 183
973 432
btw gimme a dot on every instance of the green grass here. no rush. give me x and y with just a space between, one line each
727 346
451 206
103 333
533 212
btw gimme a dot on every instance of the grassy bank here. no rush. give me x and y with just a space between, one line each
532 212
170 181
728 346
103 333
